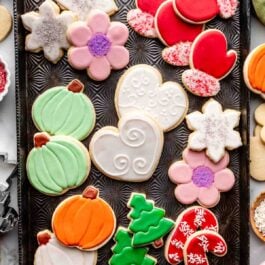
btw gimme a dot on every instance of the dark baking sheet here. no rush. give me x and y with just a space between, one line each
35 74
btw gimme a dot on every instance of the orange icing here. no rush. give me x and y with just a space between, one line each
256 69
83 222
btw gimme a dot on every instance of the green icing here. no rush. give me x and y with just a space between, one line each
59 111
57 166
259 6
148 223
124 253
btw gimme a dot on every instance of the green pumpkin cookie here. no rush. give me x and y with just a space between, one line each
57 164
65 111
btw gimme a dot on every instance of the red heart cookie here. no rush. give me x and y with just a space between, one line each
149 6
196 11
172 29
209 54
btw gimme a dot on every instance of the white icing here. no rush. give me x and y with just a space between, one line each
259 217
214 130
53 253
83 7
48 30
141 89
131 152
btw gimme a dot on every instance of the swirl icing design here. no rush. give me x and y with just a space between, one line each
65 111
131 152
141 89
57 164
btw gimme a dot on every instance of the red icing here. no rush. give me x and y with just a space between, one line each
172 29
43 237
75 86
210 54
149 6
202 243
41 139
197 11
3 77
90 193
191 220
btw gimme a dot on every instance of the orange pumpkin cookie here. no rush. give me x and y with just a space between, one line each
84 221
254 74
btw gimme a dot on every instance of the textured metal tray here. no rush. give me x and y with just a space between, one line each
35 74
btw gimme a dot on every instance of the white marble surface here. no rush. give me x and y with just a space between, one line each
8 243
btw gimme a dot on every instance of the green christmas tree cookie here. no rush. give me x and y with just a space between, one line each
65 111
125 254
148 223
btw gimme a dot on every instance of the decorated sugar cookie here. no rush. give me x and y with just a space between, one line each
188 222
48 30
199 179
200 244
5 22
260 119
148 223
50 251
65 111
84 221
254 70
82 8
138 143
214 130
141 19
176 34
141 88
125 253
98 45
57 164
210 61
4 79
202 11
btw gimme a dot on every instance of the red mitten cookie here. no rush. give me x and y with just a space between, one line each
200 12
141 19
189 221
176 34
210 62
200 243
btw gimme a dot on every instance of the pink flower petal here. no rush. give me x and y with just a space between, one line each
79 58
180 172
79 34
209 197
224 180
118 33
215 167
99 68
187 193
98 21
193 158
118 57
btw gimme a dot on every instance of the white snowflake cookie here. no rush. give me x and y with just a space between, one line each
48 30
82 7
214 130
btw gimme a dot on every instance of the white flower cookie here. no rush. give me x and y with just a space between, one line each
214 130
82 7
48 30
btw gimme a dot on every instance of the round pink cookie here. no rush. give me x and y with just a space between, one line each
4 78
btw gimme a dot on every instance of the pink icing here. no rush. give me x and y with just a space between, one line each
3 77
227 8
142 23
178 54
200 83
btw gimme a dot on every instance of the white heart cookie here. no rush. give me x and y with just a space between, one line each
141 88
130 152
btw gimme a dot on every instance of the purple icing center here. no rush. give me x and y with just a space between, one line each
203 177
99 45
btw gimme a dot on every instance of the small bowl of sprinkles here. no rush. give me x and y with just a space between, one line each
4 78
257 216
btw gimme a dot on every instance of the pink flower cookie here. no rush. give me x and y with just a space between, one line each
199 179
202 11
176 34
98 45
4 78
188 222
141 19
210 62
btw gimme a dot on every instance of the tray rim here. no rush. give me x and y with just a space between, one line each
245 26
